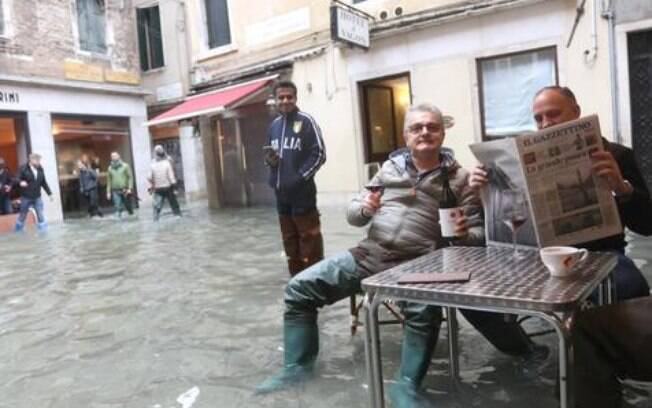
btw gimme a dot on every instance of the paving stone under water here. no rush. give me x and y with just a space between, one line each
188 313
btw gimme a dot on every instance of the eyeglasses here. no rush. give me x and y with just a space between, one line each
430 127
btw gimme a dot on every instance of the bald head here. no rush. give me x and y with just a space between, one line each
553 105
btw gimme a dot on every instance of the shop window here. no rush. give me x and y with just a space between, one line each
385 102
508 84
14 147
217 23
94 138
91 22
150 41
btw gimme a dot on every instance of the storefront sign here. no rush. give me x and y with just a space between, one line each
349 26
9 97
277 27
121 77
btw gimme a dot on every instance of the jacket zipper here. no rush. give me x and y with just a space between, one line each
278 168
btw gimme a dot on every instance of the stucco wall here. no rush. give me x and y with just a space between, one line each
441 61
628 11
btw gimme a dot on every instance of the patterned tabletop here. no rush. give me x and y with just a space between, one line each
498 279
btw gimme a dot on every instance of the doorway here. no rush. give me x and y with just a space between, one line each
640 86
384 104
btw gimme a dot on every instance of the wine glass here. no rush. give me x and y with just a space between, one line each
374 186
514 213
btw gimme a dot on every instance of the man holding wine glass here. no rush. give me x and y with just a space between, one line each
400 206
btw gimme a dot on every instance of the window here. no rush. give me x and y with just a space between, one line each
508 84
149 38
217 23
91 22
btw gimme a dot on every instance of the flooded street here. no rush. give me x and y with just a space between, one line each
188 313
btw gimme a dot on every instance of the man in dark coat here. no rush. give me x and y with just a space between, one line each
31 179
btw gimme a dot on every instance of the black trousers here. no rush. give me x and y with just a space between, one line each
162 194
612 342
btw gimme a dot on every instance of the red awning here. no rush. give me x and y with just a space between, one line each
211 102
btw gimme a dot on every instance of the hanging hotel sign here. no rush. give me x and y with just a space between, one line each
349 25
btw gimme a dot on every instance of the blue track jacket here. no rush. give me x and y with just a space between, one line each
298 141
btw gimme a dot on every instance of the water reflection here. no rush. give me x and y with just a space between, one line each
187 313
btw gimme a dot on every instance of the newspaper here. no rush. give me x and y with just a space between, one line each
567 203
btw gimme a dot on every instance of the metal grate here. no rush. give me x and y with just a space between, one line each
640 82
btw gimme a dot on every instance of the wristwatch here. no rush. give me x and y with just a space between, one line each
629 187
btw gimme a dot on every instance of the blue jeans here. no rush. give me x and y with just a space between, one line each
630 282
337 278
121 202
25 204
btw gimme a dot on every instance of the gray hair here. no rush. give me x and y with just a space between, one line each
420 108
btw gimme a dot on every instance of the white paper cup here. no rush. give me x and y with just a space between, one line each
560 260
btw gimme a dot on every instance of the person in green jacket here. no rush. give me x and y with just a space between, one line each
119 185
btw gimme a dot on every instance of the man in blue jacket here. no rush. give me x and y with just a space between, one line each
294 153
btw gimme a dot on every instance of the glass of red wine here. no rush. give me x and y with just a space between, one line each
372 183
514 213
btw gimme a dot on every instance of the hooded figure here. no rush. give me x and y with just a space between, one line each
162 182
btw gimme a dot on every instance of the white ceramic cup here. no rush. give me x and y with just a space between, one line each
560 260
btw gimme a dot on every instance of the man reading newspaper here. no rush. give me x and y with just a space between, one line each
610 341
616 165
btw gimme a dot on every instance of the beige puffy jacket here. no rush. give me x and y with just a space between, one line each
162 174
407 224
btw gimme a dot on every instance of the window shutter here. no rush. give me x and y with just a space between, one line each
82 24
92 25
155 38
2 19
217 19
141 18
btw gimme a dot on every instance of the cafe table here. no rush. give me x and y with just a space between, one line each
499 282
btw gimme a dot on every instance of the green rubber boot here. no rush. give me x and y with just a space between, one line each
416 352
301 343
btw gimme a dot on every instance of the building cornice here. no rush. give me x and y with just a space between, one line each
442 15
76 85
260 68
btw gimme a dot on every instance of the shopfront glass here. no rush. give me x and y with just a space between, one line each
14 145
94 138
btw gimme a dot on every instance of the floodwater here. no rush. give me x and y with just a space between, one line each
187 313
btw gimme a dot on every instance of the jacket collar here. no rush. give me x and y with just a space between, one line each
403 160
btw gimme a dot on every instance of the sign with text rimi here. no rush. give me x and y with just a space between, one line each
349 27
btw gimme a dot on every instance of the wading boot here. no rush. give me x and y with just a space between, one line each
301 345
416 352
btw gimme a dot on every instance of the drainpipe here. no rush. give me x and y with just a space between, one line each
591 54
608 14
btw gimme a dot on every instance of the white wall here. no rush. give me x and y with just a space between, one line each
442 63
323 92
